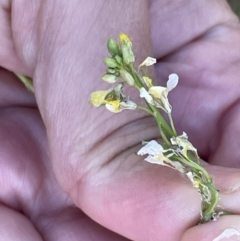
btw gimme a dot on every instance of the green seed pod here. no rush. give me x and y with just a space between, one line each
113 47
127 76
109 78
110 62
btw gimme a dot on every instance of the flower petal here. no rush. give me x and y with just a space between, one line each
172 81
158 91
97 97
130 105
152 148
160 99
183 144
113 106
148 62
146 95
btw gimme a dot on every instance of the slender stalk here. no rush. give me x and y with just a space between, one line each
145 109
172 124
26 81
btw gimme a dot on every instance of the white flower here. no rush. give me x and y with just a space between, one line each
183 144
157 155
148 62
158 95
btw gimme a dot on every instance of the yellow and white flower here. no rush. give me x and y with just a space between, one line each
158 95
113 99
184 144
158 155
192 177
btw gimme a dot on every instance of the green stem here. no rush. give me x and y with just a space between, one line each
162 124
167 142
172 124
210 207
195 166
145 109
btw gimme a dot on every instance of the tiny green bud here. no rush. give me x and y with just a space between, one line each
110 62
117 74
127 53
112 46
118 59
126 47
110 78
127 76
111 71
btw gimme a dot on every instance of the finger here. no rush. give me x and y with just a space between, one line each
227 181
78 74
185 21
70 224
29 187
18 43
199 108
15 226
226 228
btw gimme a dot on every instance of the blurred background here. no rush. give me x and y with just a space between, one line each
235 4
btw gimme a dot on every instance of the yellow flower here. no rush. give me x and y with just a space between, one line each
113 99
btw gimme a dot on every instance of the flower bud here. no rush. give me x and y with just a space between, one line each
126 47
110 62
111 71
127 53
112 46
127 77
109 78
118 59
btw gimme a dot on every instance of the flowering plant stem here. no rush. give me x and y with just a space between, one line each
174 151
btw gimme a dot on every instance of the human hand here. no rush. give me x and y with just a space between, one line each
92 152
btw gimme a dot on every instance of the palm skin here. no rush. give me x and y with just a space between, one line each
61 152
